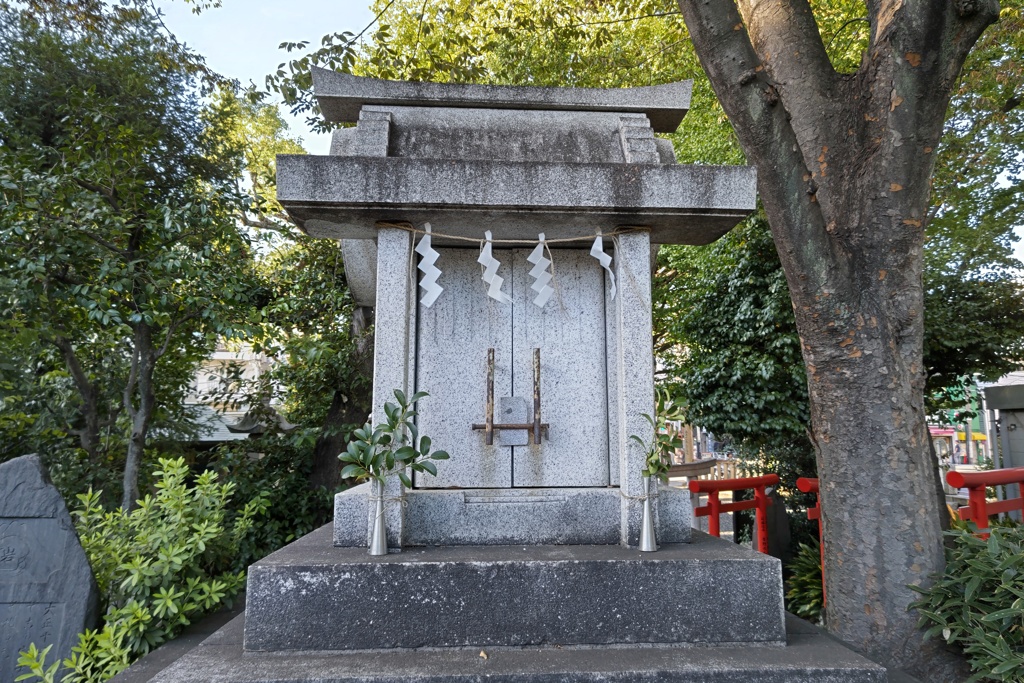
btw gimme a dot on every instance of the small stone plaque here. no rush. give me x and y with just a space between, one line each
512 410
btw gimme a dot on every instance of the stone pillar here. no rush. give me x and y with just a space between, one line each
394 349
635 381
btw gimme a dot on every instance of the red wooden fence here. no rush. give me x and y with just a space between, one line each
979 509
715 507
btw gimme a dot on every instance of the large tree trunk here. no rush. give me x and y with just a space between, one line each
843 171
139 403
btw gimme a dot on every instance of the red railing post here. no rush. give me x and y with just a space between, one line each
810 485
978 509
715 507
761 518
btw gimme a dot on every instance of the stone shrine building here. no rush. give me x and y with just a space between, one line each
505 238
515 163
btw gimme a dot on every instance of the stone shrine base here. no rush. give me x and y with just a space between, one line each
810 656
704 612
311 595
548 516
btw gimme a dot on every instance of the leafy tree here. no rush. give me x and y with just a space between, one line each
309 323
121 251
844 173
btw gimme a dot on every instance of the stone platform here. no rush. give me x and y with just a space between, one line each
810 656
314 596
703 612
542 516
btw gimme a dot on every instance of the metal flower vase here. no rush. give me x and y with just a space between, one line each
648 543
379 532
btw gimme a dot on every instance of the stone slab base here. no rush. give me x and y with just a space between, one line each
566 516
311 595
809 656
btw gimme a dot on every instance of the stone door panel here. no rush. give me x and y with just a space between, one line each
570 332
453 337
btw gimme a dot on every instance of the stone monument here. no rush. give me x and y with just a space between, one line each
505 236
47 592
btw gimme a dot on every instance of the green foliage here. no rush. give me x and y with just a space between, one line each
179 555
122 262
307 322
274 468
664 443
727 337
978 601
393 447
35 661
804 594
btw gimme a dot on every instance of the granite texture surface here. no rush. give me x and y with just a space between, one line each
509 134
360 259
549 516
810 656
343 197
453 337
635 370
47 592
512 516
394 342
554 595
570 333
342 97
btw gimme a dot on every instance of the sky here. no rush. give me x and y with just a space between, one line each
240 39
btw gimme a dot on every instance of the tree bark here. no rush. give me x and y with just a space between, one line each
139 403
844 163
89 433
347 408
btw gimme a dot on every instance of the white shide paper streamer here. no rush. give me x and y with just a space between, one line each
428 257
490 275
540 273
597 251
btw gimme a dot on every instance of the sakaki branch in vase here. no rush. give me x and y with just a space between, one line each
391 448
656 463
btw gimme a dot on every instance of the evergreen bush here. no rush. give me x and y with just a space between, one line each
977 603
172 559
804 594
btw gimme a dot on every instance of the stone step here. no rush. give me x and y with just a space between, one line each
809 656
311 595
552 516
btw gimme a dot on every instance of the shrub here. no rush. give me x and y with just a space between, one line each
804 595
977 603
279 475
172 559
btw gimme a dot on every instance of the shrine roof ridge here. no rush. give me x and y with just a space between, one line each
341 96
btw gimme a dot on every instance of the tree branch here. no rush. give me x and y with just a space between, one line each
78 374
764 131
129 385
109 194
785 37
109 246
171 329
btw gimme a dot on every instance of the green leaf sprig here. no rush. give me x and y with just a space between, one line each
659 449
393 447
